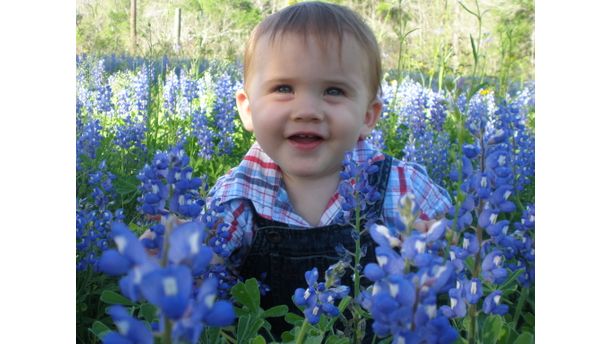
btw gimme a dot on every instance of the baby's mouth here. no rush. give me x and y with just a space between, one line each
305 138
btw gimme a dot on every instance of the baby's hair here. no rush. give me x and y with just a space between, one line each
323 21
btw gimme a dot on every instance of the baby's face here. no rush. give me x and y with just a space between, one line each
307 106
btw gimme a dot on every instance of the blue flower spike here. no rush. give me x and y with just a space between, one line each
492 305
317 298
130 329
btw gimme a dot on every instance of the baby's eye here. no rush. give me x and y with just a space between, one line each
334 91
283 89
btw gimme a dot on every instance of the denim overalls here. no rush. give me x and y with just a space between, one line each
283 254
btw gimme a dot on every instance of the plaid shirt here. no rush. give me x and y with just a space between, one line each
256 185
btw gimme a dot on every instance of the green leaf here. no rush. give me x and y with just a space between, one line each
126 185
314 339
248 326
247 294
288 336
469 261
344 303
99 329
492 329
276 311
525 338
465 8
212 335
508 283
113 298
258 340
529 319
241 311
294 319
148 312
333 339
474 51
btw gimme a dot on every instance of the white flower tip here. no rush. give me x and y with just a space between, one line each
170 286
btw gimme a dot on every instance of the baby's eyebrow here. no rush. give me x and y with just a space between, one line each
341 82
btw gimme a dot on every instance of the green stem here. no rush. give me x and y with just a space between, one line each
519 306
302 333
228 337
472 330
167 335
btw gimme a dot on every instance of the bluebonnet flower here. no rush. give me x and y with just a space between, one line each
170 287
224 110
377 139
355 190
188 92
84 104
520 246
186 248
464 217
130 330
226 280
131 134
88 139
94 218
421 114
204 310
103 99
481 108
523 137
458 304
205 136
189 87
171 93
214 122
101 182
403 299
98 90
492 268
527 221
140 87
169 183
492 305
155 191
129 252
167 280
318 298
123 104
473 291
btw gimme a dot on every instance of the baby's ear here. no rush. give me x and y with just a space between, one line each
371 118
244 109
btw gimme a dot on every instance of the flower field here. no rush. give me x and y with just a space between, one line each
152 137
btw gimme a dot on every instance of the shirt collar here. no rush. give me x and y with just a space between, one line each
259 179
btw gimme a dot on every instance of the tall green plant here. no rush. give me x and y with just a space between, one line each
515 31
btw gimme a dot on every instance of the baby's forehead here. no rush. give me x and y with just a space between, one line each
330 51
324 40
329 47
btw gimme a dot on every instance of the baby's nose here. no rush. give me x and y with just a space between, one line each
308 108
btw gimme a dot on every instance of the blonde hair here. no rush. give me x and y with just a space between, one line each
323 21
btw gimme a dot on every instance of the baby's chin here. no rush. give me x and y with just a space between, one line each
308 172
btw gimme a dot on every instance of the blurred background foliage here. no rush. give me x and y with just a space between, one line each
433 37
